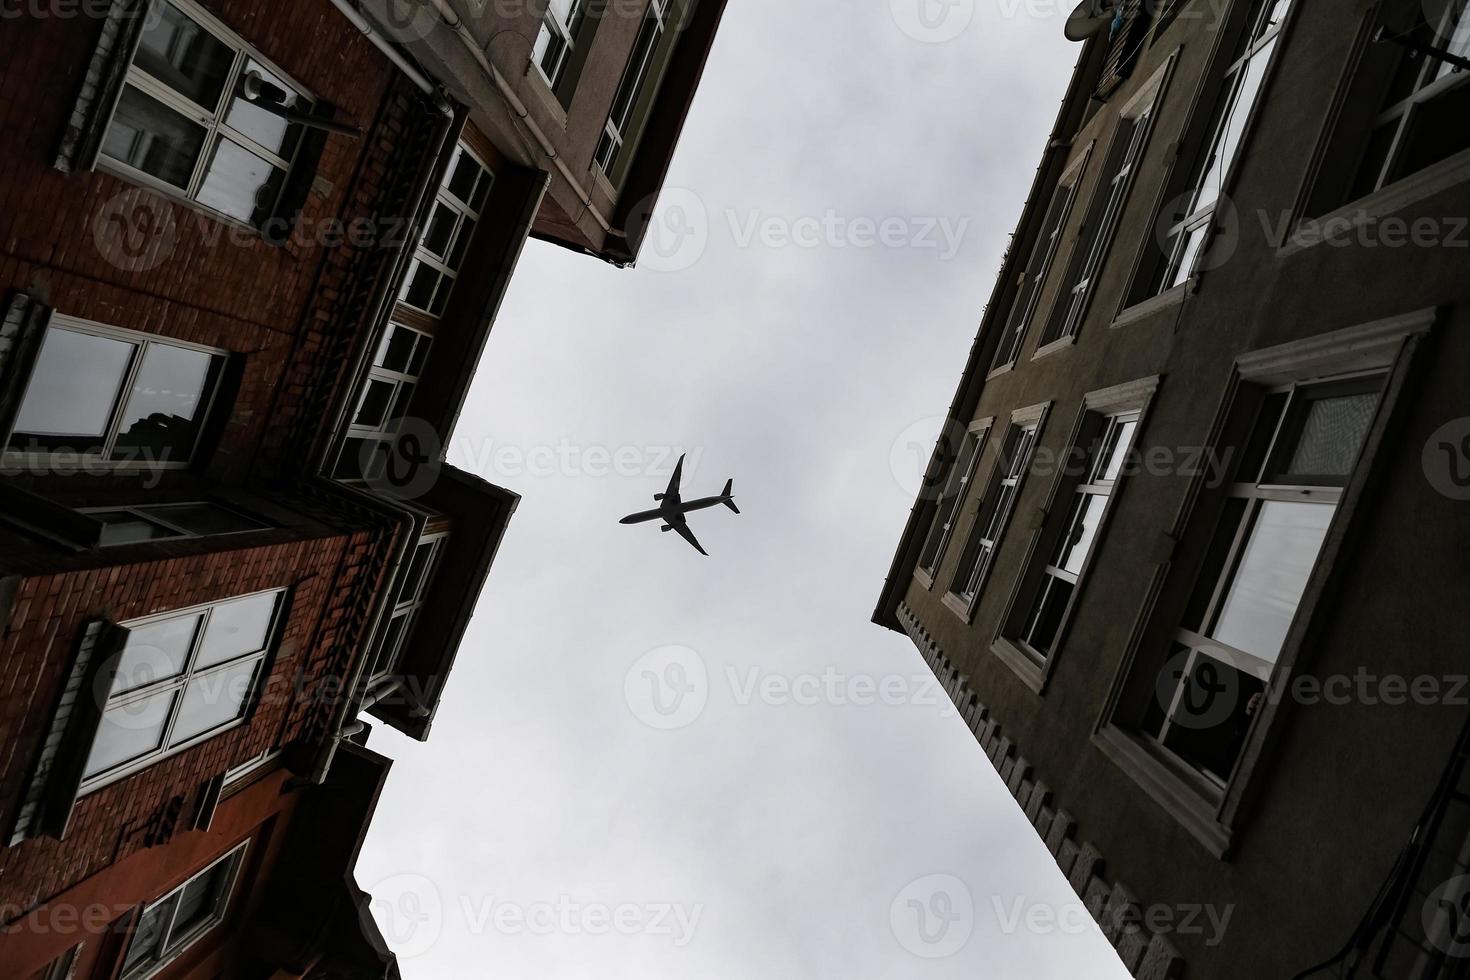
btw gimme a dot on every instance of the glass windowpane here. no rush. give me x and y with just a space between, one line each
129 731
213 700
1271 576
236 628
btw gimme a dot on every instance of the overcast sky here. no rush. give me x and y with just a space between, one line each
649 764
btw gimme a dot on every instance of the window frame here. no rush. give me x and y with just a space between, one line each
1394 346
1026 425
566 34
141 342
385 663
1164 274
262 659
384 433
145 513
1133 400
1447 78
468 216
1315 210
1093 241
952 497
154 966
1021 312
213 123
619 137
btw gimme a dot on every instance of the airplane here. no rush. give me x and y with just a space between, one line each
671 509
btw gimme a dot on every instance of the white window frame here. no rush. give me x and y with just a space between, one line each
152 967
1204 645
1007 480
252 765
1098 486
212 121
1100 224
141 341
148 514
388 650
1038 267
1395 345
1426 89
1197 225
561 40
384 433
948 508
615 131
180 683
467 219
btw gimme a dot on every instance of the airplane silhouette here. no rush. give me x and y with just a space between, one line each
671 509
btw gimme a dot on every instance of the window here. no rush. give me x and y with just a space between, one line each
1302 450
1042 253
115 395
447 233
1105 443
185 123
158 522
556 44
181 918
639 83
1422 121
249 767
383 403
410 592
995 507
1097 231
1242 87
947 508
181 678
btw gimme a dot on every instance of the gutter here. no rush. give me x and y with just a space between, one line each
972 380
455 23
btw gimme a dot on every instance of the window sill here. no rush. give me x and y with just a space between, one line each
1166 300
959 607
1194 811
1309 232
924 578
1003 369
1061 343
1025 665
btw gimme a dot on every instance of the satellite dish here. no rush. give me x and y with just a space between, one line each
1090 17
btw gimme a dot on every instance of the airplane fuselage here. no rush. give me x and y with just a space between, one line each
664 513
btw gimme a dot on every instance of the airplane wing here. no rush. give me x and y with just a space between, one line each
682 526
672 493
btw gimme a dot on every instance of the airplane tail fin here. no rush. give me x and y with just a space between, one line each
729 501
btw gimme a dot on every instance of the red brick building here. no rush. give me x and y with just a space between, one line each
250 255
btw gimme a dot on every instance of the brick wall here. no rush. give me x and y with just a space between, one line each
120 818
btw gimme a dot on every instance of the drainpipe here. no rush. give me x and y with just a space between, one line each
455 23
390 51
